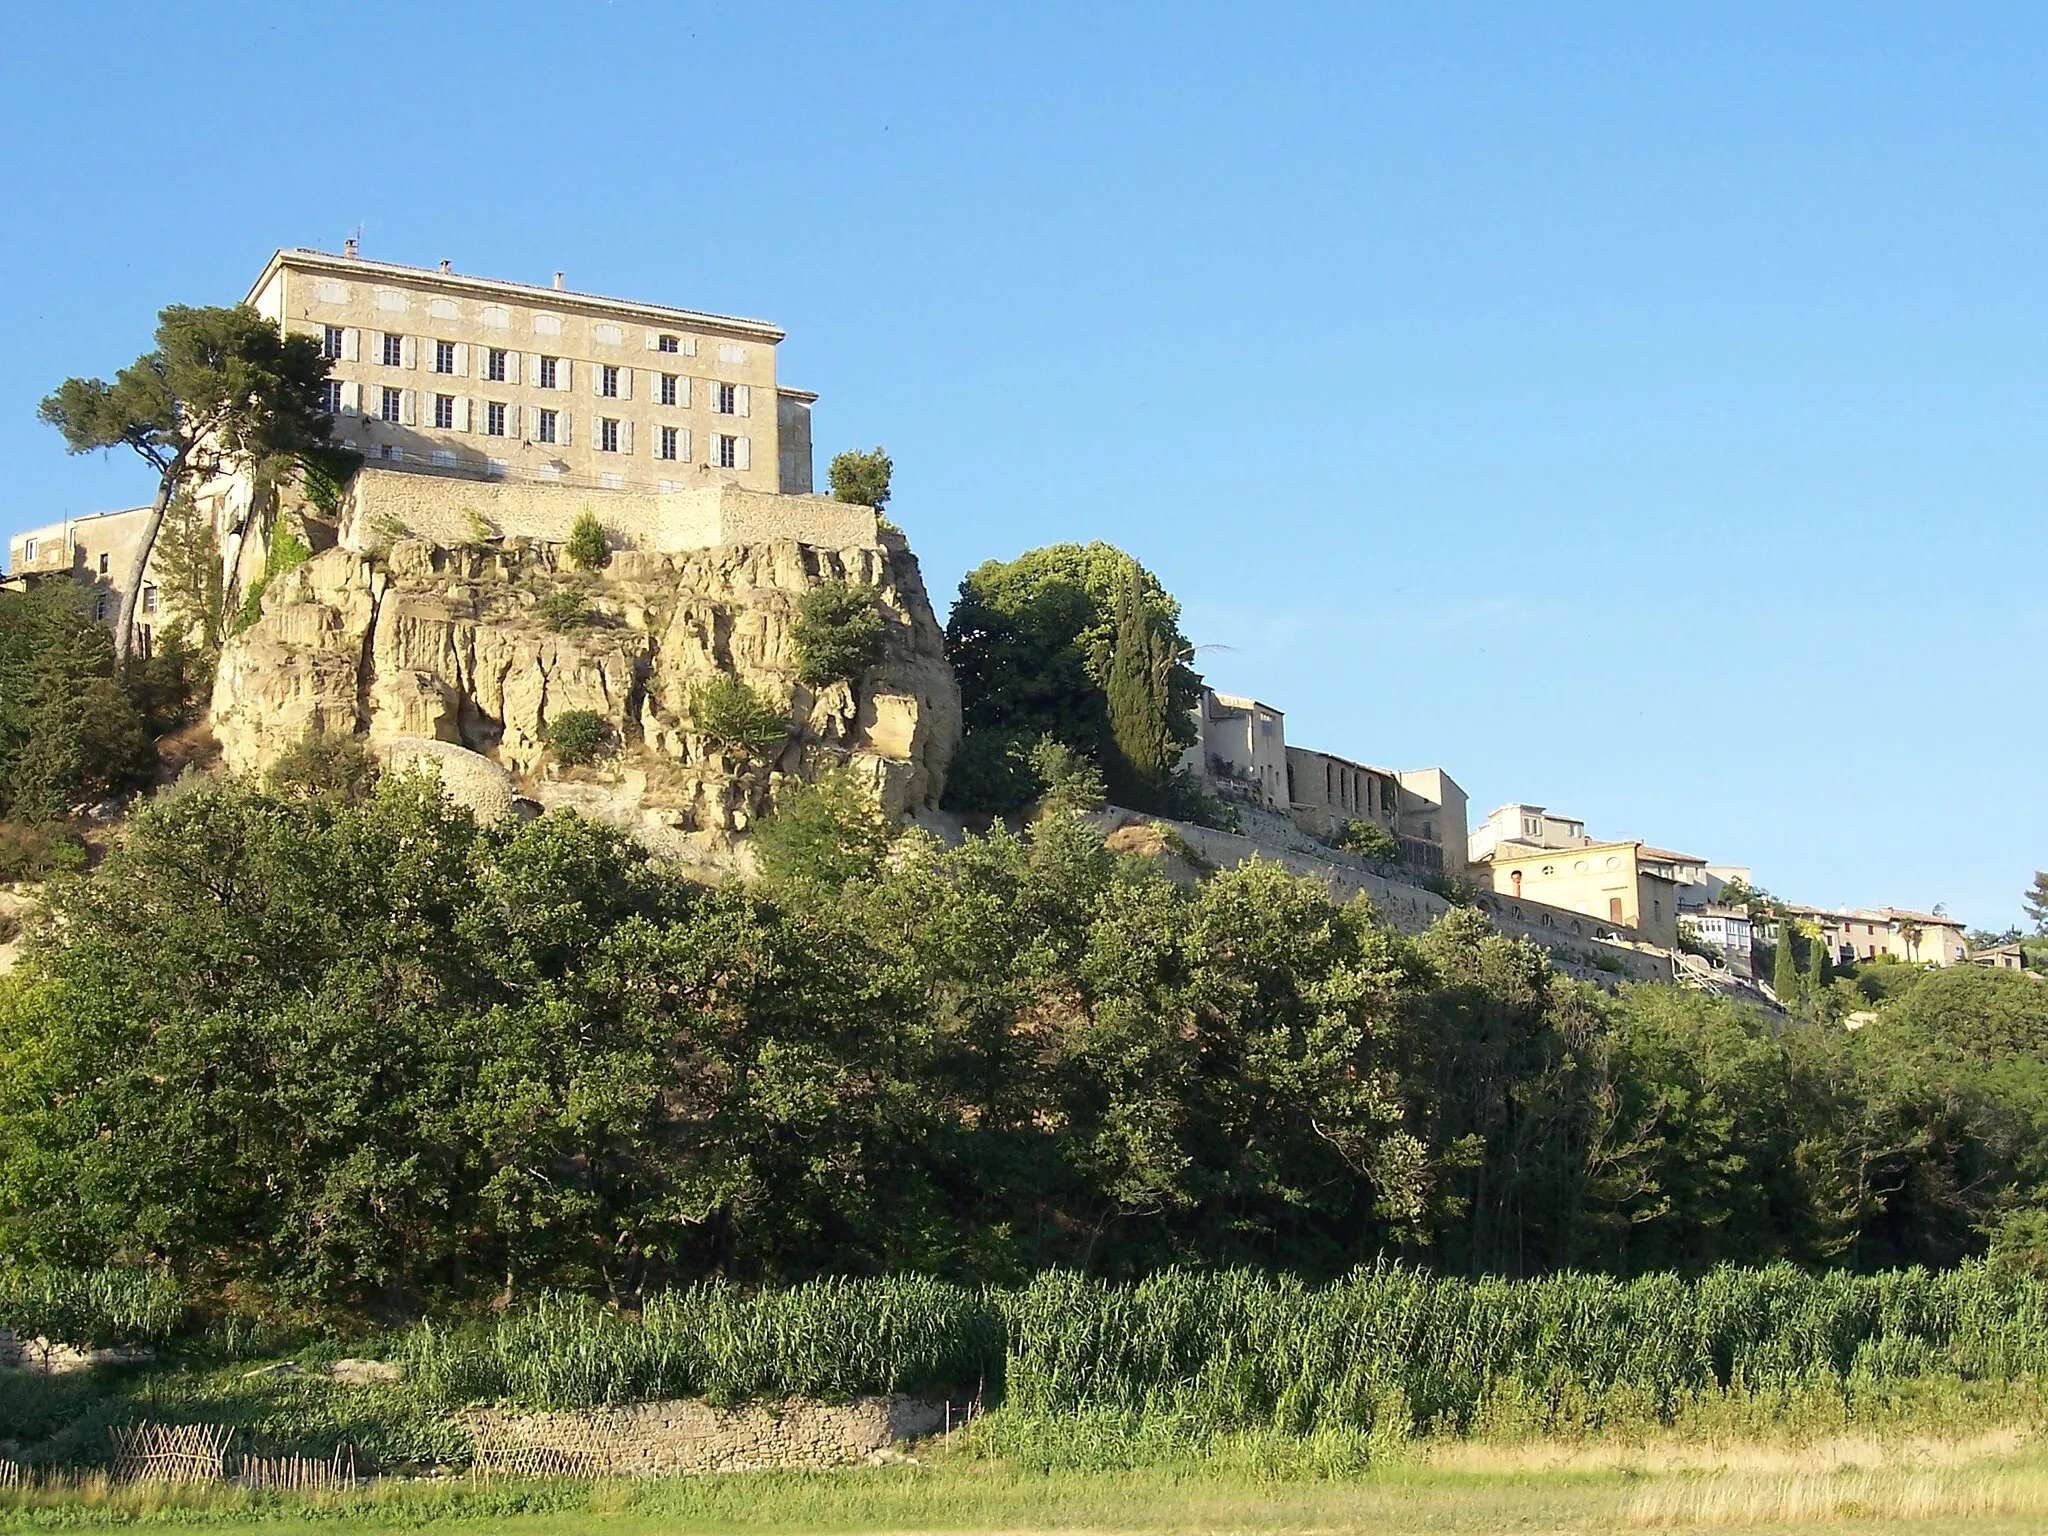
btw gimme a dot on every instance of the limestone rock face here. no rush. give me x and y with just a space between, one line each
426 644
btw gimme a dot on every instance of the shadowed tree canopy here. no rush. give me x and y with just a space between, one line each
221 386
1082 644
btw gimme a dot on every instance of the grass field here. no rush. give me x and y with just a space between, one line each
1995 1482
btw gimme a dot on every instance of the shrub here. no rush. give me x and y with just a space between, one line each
991 773
337 769
564 609
31 852
578 736
736 718
287 553
587 546
862 478
1067 781
1371 840
839 633
823 835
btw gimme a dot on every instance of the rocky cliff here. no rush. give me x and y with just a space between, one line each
454 645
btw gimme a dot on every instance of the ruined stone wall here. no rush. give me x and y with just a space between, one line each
685 1436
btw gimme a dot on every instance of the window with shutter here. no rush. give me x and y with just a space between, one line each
741 395
351 345
409 349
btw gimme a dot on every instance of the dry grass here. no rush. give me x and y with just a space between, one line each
1862 1496
1673 1454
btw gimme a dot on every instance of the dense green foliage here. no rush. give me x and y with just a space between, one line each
738 718
91 1306
579 736
69 731
861 477
839 633
1371 840
323 767
375 1057
286 554
587 546
823 835
1080 644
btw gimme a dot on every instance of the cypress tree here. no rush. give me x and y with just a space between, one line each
1818 971
1785 971
1136 693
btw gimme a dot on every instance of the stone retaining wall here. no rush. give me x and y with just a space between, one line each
680 1437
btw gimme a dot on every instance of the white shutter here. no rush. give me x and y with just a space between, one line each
653 342
409 351
745 456
511 367
682 389
739 399
533 367
462 359
689 346
352 399
625 383
410 410
683 444
512 421
625 437
565 373
465 415
351 345
562 420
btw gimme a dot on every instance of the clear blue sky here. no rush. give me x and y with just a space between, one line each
1636 409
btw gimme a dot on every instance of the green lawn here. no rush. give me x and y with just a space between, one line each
1991 1485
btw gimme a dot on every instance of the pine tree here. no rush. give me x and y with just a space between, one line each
1136 693
1785 972
2036 901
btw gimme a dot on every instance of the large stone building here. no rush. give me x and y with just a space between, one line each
1241 749
1865 933
437 370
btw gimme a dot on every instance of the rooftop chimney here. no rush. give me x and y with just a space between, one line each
558 282
444 266
348 247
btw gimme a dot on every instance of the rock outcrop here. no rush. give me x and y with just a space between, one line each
422 643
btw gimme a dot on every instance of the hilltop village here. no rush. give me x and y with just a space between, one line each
413 602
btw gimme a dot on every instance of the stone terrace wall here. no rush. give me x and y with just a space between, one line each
684 1436
384 504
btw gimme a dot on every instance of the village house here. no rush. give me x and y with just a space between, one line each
1240 748
1726 931
1611 882
95 550
1864 933
2000 957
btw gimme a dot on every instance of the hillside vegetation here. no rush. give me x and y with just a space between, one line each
333 1060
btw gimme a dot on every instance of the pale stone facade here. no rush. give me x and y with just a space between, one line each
434 369
1864 933
1609 882
94 550
1326 793
1241 747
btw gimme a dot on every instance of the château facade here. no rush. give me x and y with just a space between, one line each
435 370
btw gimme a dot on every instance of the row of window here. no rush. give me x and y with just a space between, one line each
549 426
499 317
501 366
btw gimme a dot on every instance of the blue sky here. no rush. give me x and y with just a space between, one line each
1635 409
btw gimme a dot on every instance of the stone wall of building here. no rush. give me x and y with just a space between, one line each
384 505
685 1436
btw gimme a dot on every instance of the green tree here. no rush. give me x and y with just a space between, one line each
737 718
1820 972
1034 642
189 574
839 633
862 478
564 609
221 387
823 835
1066 782
587 546
341 769
69 731
2036 901
1785 977
1372 840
